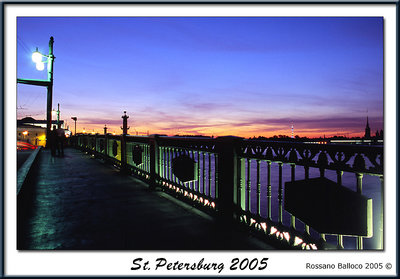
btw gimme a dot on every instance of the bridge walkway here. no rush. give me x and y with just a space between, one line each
77 202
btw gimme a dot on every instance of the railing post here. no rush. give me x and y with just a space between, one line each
269 192
280 194
359 177
228 178
154 161
240 193
124 168
293 178
95 144
106 145
248 185
339 175
381 216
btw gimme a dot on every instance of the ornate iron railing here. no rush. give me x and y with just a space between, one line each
230 177
357 159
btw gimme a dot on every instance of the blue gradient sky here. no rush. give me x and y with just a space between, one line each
211 76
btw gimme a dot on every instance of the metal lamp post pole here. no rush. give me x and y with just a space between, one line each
47 83
49 88
74 118
58 117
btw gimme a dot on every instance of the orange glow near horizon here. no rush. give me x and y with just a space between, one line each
211 131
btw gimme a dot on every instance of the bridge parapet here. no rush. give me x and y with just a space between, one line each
231 178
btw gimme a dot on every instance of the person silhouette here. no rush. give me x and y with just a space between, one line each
60 141
53 141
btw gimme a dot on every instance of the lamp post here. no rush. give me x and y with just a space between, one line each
37 58
58 117
74 118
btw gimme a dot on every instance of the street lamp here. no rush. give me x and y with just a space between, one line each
37 58
24 133
74 118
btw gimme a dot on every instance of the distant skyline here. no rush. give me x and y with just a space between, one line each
245 76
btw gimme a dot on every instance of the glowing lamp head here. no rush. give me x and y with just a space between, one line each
25 133
37 56
40 66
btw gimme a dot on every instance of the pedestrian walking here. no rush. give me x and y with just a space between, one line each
53 141
60 141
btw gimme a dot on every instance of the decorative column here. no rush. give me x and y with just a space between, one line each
125 127
227 178
154 161
123 142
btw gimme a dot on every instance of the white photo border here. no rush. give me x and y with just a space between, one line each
281 263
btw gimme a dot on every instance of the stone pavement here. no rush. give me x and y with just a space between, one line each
22 155
78 202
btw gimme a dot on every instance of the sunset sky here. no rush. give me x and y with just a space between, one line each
244 76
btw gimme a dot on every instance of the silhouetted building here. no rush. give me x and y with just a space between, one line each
32 134
379 134
37 123
367 131
34 131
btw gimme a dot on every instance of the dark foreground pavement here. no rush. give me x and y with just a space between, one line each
22 155
77 202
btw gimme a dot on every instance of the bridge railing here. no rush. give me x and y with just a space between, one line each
243 180
316 160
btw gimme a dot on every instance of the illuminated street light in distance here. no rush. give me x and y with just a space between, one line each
37 56
40 66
